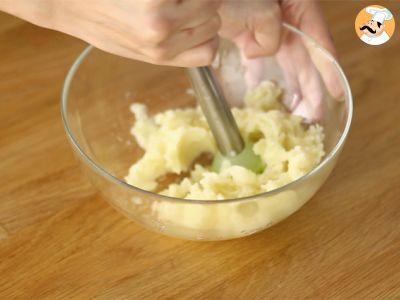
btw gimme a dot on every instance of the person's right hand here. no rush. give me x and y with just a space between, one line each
165 32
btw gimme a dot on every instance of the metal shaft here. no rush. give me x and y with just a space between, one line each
216 110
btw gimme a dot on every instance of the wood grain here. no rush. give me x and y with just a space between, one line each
60 240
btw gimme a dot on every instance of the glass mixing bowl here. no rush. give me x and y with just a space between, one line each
96 97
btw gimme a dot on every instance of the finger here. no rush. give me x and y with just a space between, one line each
189 13
253 70
262 35
315 25
328 71
311 90
267 32
309 81
303 85
191 37
289 67
161 19
200 55
200 12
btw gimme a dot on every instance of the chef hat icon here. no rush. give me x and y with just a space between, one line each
379 14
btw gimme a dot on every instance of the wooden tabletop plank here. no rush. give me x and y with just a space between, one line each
60 240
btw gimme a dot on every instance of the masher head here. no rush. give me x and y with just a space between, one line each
222 123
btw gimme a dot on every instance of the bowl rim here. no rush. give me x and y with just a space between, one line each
102 172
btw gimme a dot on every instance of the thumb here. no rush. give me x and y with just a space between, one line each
264 31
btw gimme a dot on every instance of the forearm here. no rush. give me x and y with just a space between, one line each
39 12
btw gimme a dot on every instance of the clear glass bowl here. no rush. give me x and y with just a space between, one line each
96 97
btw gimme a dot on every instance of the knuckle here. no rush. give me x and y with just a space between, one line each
159 28
160 23
155 37
216 22
208 30
159 54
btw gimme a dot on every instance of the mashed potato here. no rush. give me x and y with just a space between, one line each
173 139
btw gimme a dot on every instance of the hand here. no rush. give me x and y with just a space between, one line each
256 30
303 65
166 32
185 33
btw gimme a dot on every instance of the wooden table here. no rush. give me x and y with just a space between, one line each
60 240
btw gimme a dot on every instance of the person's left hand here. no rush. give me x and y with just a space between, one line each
256 27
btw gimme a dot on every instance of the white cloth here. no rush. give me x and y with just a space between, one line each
379 14
375 40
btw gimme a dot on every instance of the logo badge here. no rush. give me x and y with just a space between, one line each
375 25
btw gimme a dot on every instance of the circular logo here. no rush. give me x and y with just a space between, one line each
374 25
